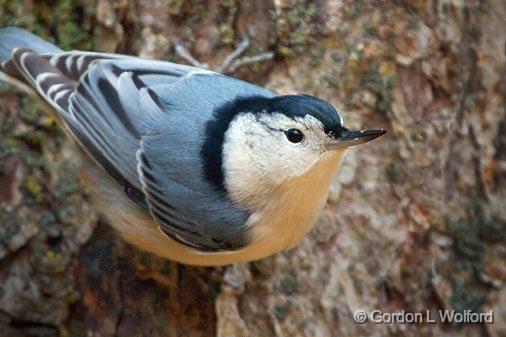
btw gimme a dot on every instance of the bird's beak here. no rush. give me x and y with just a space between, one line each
352 138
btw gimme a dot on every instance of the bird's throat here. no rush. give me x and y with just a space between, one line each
292 209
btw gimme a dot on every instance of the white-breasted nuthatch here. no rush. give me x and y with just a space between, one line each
186 163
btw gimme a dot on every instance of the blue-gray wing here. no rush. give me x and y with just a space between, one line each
145 122
171 167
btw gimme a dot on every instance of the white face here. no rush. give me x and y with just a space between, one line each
258 150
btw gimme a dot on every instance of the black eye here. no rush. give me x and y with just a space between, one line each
294 135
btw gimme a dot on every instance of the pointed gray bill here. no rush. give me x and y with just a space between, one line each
352 138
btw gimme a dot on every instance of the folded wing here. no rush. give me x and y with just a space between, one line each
144 123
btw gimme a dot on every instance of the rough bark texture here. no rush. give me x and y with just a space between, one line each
415 221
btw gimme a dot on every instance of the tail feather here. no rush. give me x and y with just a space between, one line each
12 37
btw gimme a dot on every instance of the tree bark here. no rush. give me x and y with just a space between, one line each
415 221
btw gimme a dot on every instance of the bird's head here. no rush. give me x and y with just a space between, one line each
268 141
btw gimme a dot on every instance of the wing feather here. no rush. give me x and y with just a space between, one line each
144 123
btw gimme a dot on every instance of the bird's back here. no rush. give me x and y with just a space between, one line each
144 122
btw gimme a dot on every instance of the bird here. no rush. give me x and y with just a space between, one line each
186 163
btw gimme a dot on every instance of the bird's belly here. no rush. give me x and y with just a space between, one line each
281 226
138 228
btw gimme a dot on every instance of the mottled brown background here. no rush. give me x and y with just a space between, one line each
415 221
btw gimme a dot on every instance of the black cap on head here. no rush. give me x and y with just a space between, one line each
292 106
301 105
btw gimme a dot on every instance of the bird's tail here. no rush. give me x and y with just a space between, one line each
12 38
